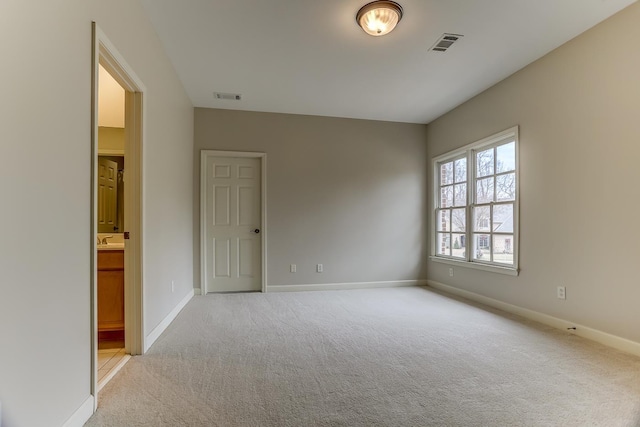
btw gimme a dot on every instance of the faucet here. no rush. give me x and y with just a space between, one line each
104 239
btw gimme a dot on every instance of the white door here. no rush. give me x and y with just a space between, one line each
233 219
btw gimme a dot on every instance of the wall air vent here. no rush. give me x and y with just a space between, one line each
228 96
445 42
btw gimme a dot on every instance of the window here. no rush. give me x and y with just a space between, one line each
477 203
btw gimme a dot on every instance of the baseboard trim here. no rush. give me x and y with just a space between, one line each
345 286
605 338
82 414
158 330
197 291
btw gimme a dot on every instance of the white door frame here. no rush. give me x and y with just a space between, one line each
104 53
204 156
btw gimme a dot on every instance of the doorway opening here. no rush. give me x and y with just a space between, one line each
110 237
116 220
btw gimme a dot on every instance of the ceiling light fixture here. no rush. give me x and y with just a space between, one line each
379 17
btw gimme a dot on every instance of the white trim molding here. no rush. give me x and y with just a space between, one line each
82 414
345 286
607 339
158 330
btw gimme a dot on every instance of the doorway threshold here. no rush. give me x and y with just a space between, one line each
110 361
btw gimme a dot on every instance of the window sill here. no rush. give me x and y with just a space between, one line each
510 271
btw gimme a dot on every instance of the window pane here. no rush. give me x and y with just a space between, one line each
444 222
461 170
503 218
442 245
506 160
459 220
484 190
446 196
481 218
506 187
484 163
460 195
481 247
457 249
446 173
503 249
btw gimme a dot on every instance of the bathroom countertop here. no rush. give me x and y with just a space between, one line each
111 247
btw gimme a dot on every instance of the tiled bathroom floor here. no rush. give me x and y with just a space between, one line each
109 362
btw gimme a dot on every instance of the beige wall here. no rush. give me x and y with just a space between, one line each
579 114
110 100
111 139
345 193
45 187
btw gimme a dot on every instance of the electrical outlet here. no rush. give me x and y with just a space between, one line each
451 272
292 268
319 268
173 286
562 292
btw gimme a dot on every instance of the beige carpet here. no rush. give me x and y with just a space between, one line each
379 357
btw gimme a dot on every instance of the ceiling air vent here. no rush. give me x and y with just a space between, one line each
227 96
445 42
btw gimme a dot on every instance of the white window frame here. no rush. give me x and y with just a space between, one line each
468 152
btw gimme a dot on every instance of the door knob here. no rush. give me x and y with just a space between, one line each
257 231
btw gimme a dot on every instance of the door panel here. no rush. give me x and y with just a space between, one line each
221 258
221 205
222 171
233 206
246 257
246 198
245 172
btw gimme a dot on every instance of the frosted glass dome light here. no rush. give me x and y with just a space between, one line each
379 17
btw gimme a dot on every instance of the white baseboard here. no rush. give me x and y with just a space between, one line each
197 291
345 286
607 339
158 330
82 414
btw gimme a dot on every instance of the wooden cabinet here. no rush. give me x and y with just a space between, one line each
110 295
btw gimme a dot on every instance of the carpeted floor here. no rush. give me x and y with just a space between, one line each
375 357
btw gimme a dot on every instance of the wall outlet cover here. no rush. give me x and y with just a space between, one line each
562 292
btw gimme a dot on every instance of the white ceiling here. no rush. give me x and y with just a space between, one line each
310 57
